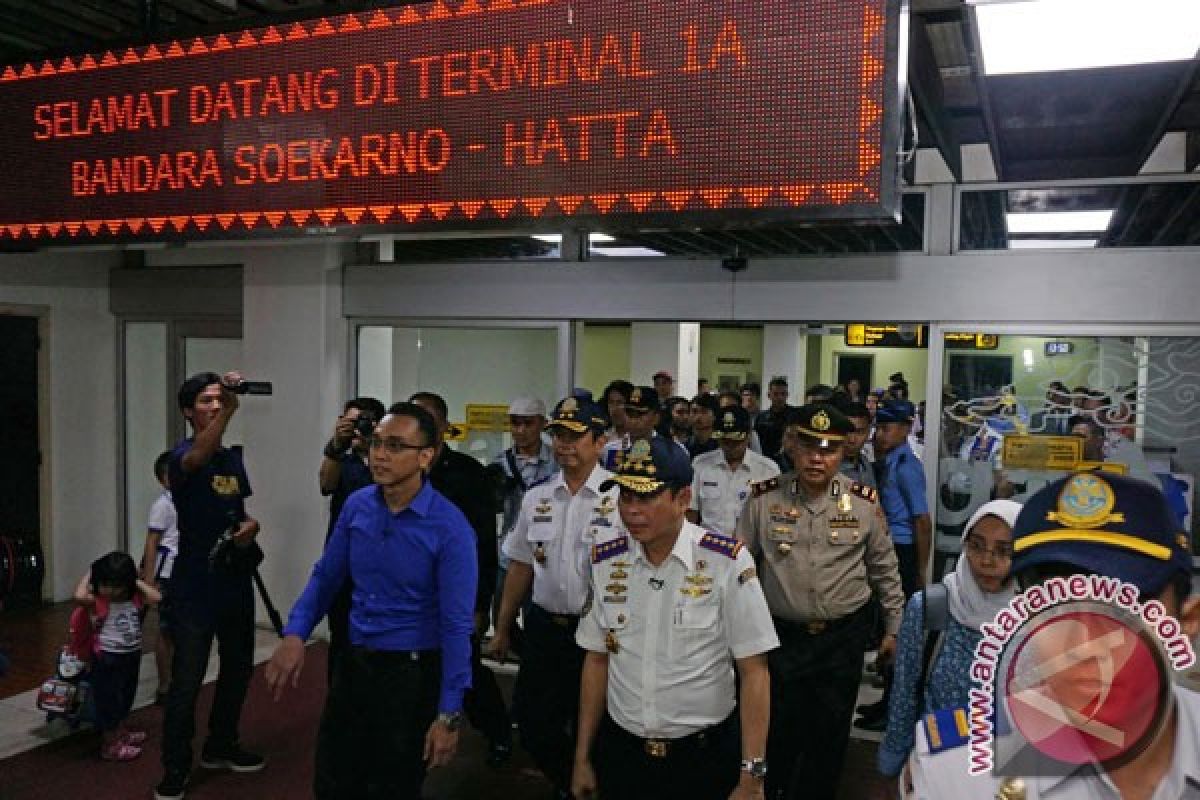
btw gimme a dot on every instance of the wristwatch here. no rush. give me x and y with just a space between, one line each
755 767
452 720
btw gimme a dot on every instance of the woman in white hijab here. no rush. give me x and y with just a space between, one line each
978 588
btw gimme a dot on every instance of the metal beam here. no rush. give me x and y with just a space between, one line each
925 81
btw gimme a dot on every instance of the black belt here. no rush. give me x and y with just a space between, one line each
816 627
404 655
561 620
662 748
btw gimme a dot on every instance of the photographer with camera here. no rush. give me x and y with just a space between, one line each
344 470
211 585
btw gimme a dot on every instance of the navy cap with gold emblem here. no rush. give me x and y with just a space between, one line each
895 411
1106 524
643 399
733 422
819 424
650 465
578 416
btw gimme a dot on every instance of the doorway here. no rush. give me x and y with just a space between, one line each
20 469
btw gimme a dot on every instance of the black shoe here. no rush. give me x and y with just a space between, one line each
234 759
171 786
871 710
499 754
876 724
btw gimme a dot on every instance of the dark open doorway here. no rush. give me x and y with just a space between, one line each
20 468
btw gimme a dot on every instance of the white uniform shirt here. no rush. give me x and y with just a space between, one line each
163 521
554 533
944 776
671 674
719 493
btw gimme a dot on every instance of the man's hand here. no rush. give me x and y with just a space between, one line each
285 665
498 647
441 744
748 788
343 431
583 780
887 650
246 531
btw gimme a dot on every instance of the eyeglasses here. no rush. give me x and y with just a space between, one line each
1002 552
393 445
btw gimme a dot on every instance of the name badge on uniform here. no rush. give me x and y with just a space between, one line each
602 522
710 483
540 518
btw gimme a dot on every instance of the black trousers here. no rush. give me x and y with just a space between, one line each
339 629
814 683
546 697
114 678
697 768
231 623
371 742
484 703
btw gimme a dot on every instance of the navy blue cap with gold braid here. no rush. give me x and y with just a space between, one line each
609 549
1104 524
718 543
947 729
651 464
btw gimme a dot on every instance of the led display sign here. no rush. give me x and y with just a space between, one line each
464 114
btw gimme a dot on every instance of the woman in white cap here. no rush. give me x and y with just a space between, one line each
934 651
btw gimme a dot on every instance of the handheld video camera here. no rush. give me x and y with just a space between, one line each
250 387
226 556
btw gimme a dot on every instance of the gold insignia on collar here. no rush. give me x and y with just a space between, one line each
1086 501
820 421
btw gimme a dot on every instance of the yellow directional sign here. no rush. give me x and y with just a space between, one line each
482 417
1042 452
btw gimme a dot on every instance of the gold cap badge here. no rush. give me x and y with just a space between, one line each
820 421
1086 501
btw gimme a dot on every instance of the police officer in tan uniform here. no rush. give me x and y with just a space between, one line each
822 549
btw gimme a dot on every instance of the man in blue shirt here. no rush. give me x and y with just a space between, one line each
209 598
395 707
901 479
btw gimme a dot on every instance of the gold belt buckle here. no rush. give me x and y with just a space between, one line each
815 626
656 748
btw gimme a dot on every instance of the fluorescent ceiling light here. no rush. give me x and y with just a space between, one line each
627 252
1019 36
556 238
1051 244
1059 221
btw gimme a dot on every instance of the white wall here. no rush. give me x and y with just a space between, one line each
783 356
81 434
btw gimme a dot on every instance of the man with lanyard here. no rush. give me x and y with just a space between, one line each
673 612
209 486
344 470
465 482
723 478
1091 524
823 551
395 706
901 479
559 520
529 461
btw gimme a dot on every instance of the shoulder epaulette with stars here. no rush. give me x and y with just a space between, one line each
606 550
762 487
725 545
864 491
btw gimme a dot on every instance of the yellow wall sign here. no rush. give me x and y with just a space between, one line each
1042 452
487 417
457 432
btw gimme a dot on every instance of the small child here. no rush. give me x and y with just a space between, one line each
162 545
114 596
